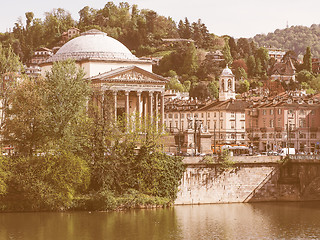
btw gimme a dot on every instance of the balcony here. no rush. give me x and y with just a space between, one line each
263 129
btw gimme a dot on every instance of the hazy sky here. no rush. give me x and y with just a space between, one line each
234 17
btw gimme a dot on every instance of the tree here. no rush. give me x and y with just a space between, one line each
233 48
251 63
24 120
199 91
262 58
175 85
240 73
307 60
305 76
213 88
65 95
190 63
10 67
244 86
226 53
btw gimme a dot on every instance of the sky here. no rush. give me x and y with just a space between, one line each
236 18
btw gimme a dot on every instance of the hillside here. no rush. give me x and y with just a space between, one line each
296 38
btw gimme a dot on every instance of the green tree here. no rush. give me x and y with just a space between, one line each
213 88
226 53
48 182
244 86
305 76
251 63
65 95
175 84
23 124
307 60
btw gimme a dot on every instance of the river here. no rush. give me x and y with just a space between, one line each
219 221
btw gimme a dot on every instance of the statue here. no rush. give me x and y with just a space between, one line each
190 123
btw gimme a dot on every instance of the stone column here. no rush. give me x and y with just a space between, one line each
156 110
115 104
150 105
127 106
162 110
139 107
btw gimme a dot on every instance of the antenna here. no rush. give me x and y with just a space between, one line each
287 24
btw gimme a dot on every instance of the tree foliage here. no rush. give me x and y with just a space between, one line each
296 38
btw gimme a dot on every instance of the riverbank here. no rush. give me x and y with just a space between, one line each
250 179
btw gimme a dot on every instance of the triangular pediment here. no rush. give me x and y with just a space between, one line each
130 74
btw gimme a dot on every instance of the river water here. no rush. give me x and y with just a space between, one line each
219 221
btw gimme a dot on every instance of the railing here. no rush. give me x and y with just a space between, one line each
305 157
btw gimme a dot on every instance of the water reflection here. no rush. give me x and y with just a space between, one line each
221 221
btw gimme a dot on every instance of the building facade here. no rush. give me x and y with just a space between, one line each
116 75
287 120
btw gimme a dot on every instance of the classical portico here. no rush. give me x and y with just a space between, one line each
134 92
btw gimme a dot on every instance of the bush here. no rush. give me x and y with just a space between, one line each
48 182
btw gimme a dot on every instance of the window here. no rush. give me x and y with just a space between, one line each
196 115
165 115
264 122
264 135
208 124
221 114
232 124
201 115
279 111
242 135
302 123
302 135
301 112
170 115
188 115
182 115
271 135
214 114
271 111
242 123
278 135
182 125
221 124
208 114
271 123
242 115
232 114
264 112
177 124
215 124
313 135
176 115
279 122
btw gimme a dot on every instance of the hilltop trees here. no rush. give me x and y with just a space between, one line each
296 38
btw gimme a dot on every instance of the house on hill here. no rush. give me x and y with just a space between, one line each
284 71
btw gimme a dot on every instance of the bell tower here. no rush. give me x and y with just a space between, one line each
227 85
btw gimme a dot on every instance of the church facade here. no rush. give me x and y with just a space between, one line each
116 73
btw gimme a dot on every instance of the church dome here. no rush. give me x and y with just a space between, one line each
227 72
93 45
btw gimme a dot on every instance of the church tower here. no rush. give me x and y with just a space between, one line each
227 85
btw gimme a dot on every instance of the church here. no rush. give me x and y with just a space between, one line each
114 71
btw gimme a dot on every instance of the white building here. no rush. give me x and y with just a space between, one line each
115 73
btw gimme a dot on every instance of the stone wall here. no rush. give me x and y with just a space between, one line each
249 180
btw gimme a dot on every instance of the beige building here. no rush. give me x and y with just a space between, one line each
222 119
114 71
